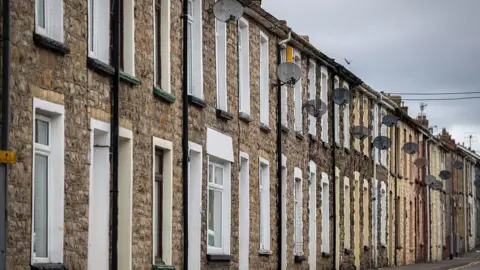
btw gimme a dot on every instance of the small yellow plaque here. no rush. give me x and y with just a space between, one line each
7 157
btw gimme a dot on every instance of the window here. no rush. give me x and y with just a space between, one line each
48 183
347 213
324 97
325 214
284 89
127 38
312 210
195 205
216 193
244 66
384 133
162 44
346 122
366 214
158 191
195 49
221 55
264 80
297 98
244 211
375 130
337 114
383 213
312 92
298 222
49 19
264 198
99 30
366 122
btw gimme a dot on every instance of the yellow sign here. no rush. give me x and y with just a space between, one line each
7 157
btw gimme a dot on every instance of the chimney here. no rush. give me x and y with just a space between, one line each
283 22
257 2
306 38
396 99
422 120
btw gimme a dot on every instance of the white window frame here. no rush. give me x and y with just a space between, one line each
53 20
195 80
324 98
337 112
264 80
346 121
383 213
312 93
244 210
347 212
244 66
366 119
195 205
264 199
165 65
383 132
366 214
312 210
99 23
221 64
325 213
297 97
284 93
54 114
129 37
298 211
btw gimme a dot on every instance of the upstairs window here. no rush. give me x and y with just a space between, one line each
49 19
346 122
127 36
162 45
324 97
297 98
298 222
264 80
221 54
99 30
244 66
337 114
312 92
195 49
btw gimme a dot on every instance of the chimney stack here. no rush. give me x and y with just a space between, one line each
257 2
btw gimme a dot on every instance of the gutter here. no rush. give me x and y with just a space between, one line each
5 131
114 135
185 149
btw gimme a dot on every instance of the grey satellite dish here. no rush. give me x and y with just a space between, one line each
390 120
420 162
289 73
315 107
438 185
342 96
382 142
410 148
477 183
228 10
444 175
458 165
360 132
430 179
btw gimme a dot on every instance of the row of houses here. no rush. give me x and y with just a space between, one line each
220 195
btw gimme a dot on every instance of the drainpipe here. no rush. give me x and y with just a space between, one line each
427 172
279 153
185 150
5 131
397 141
115 99
374 200
452 229
465 236
334 195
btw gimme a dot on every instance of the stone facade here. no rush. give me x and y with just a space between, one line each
66 79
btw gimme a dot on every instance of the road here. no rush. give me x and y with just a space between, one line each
471 266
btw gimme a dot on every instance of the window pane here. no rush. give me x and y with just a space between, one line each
215 218
219 175
40 246
158 29
190 55
91 24
41 132
210 173
41 13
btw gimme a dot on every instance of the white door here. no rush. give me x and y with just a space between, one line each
98 214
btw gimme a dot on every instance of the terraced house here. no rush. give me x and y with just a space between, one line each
220 165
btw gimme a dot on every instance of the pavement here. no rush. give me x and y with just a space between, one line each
470 261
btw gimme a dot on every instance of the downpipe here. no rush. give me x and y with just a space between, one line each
185 149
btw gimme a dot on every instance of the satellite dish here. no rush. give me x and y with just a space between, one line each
360 132
315 107
342 96
289 73
458 165
438 185
382 142
477 183
410 148
420 162
227 10
390 120
444 175
430 179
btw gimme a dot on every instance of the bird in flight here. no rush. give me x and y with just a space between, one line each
348 62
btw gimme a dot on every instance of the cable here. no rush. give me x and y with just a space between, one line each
434 94
433 99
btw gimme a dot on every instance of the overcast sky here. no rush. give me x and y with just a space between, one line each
405 46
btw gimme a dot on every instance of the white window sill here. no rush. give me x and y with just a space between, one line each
265 252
